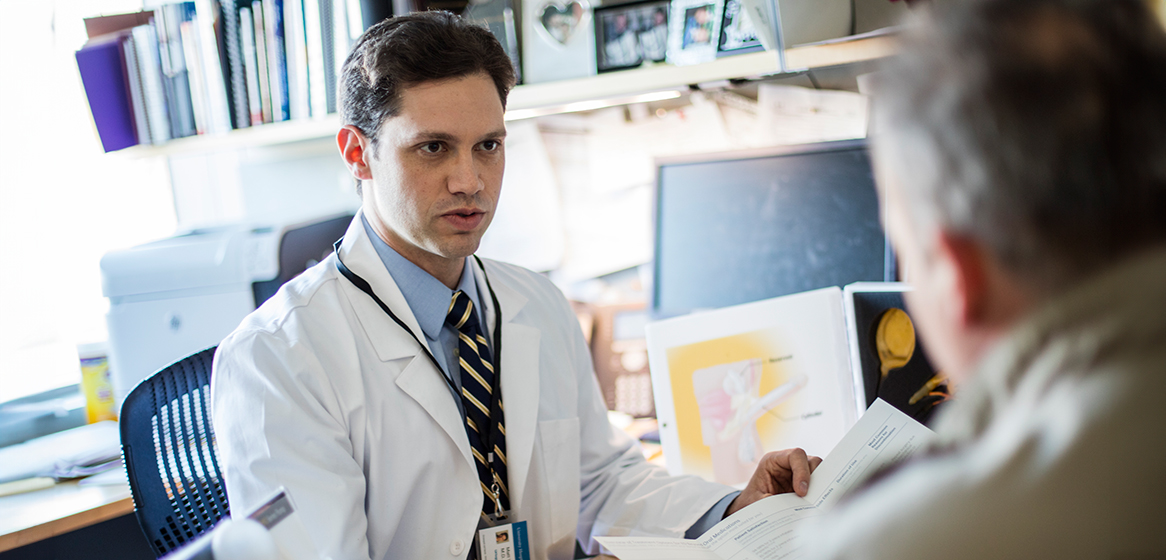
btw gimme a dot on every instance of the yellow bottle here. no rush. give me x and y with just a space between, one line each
95 382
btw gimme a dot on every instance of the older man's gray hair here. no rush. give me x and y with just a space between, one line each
1035 126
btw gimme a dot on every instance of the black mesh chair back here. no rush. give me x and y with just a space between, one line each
170 455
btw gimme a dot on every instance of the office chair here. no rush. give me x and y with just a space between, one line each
170 456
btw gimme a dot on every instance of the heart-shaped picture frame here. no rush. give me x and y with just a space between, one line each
560 20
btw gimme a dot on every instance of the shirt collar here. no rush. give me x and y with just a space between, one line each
427 297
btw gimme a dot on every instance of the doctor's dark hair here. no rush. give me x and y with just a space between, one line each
405 51
1037 127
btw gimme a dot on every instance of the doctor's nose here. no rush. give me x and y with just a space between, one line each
465 177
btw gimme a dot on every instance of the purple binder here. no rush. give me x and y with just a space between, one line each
103 73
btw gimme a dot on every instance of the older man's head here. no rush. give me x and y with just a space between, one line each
1020 147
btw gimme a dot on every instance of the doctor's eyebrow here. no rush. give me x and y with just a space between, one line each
436 136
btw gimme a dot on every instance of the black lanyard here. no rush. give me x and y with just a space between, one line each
495 390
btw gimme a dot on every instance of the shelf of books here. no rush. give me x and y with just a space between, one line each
190 77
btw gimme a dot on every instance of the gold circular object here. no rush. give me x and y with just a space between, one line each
894 340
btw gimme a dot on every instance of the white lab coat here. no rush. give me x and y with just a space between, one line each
320 392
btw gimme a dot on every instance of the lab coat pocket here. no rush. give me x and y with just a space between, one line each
560 449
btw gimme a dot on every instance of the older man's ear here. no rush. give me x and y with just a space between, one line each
986 295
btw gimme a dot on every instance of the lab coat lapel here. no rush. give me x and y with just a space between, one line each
420 379
520 378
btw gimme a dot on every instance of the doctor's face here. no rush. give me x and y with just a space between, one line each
437 172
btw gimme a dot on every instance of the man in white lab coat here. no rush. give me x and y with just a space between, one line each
1020 148
368 387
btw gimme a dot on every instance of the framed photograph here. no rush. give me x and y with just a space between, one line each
558 40
737 34
694 27
628 35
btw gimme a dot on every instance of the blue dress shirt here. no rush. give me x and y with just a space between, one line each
429 299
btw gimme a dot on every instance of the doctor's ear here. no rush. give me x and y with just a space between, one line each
356 149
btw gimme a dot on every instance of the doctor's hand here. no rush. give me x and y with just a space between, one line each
778 472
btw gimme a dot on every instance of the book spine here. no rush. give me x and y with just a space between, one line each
198 93
261 59
341 44
276 64
247 30
218 101
240 112
134 84
297 59
317 84
176 82
328 41
157 113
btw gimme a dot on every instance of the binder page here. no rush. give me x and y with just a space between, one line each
768 529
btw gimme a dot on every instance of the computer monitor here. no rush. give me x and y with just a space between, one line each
737 227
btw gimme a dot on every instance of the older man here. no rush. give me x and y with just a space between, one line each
1021 157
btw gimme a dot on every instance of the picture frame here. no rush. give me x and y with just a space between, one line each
558 40
628 35
737 34
694 28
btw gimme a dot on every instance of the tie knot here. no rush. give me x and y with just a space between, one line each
461 311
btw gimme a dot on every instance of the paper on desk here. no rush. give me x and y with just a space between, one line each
769 529
59 455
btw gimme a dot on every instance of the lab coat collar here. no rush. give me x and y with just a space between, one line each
420 378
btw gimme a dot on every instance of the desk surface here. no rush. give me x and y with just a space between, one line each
34 516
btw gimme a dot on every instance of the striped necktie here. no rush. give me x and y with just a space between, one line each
477 374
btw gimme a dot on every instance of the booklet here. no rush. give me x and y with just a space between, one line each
770 529
733 383
792 371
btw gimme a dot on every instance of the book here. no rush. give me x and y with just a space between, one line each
772 528
314 37
328 42
234 70
276 58
104 75
250 65
168 20
342 39
792 371
263 73
199 96
137 95
145 43
214 66
297 59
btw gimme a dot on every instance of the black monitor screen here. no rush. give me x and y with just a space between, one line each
732 230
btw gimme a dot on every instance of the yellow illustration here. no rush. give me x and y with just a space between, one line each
722 392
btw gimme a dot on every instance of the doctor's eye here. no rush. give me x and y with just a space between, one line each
491 145
432 147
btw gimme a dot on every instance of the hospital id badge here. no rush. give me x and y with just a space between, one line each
504 542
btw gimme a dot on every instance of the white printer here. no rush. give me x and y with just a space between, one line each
171 298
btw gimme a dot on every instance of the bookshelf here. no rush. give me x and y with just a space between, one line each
610 86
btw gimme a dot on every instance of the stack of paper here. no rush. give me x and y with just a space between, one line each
69 454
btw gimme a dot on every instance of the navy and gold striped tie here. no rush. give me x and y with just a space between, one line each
477 374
